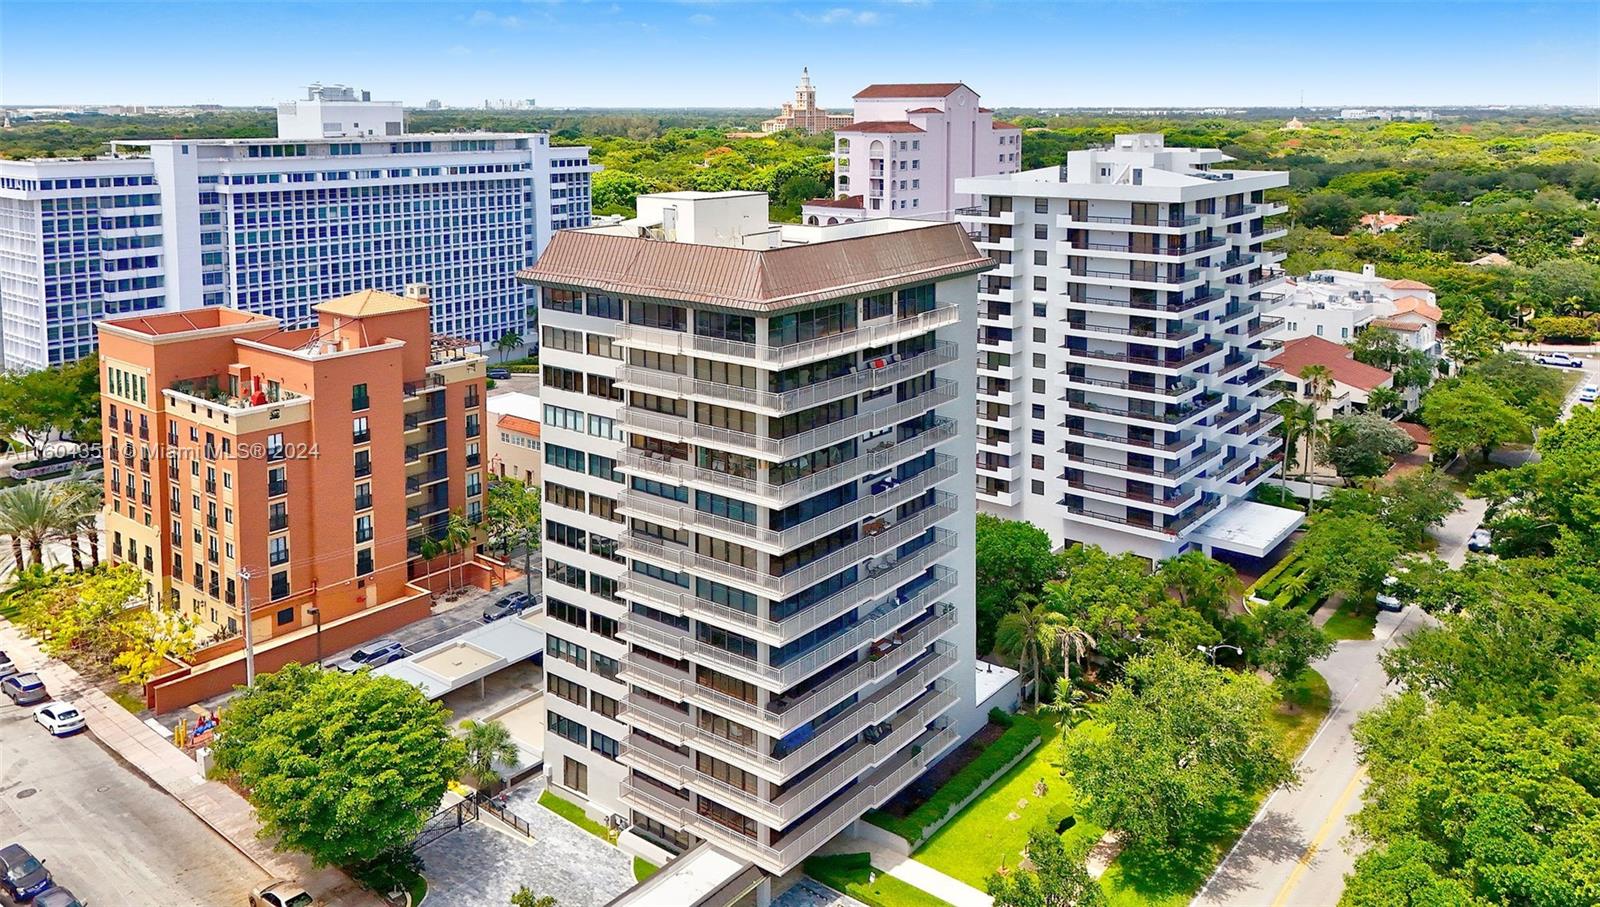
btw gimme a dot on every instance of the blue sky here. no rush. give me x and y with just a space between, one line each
674 53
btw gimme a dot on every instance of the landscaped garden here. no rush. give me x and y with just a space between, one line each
853 874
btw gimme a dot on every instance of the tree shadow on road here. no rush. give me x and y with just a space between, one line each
1273 840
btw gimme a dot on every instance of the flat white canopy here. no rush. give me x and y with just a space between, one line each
1248 527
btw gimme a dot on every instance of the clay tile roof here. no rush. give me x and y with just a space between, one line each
1382 219
369 302
756 279
518 424
881 126
1397 325
986 110
926 110
1407 285
1303 351
848 201
1417 432
909 90
1418 305
1000 124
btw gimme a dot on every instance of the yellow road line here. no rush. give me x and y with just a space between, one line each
1316 840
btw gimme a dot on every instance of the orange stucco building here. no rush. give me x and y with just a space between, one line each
313 461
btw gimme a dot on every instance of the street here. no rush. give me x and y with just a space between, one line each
107 833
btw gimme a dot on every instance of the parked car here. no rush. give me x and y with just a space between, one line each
515 603
279 893
1558 359
1387 599
1589 393
57 897
1481 540
22 874
375 653
24 689
498 374
7 666
60 718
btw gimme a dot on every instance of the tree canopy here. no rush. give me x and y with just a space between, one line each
1014 559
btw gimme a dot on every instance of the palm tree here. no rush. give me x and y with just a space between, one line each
1383 400
32 515
508 341
487 743
1076 644
1318 390
1028 634
457 536
80 507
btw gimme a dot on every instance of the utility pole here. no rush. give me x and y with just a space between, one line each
527 559
245 575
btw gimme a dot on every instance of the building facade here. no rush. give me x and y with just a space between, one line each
803 113
905 149
1122 397
272 226
759 592
516 450
316 461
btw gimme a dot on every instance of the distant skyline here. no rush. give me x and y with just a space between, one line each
727 53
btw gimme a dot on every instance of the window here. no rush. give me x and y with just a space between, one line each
1041 257
556 647
1041 206
658 315
359 432
603 705
277 550
280 585
275 446
606 666
574 774
599 305
879 306
601 345
364 528
566 689
358 398
364 562
1041 231
562 300
568 613
564 457
285 616
363 463
603 745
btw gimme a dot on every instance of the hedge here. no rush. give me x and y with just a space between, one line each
974 775
573 813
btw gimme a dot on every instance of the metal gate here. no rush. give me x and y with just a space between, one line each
445 821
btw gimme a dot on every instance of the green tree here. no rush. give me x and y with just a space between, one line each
487 743
1346 553
1534 390
524 897
1179 737
1361 445
33 515
1317 388
1282 640
1475 335
1029 634
1547 505
1331 211
342 767
1202 583
1115 598
1014 559
151 638
511 514
1384 401
1058 878
457 539
507 342
1415 502
1467 414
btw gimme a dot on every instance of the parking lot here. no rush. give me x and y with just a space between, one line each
104 831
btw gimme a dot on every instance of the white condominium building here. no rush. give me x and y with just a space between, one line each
1122 399
906 149
344 200
758 461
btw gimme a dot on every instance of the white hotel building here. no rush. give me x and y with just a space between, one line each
343 200
906 149
1122 395
758 455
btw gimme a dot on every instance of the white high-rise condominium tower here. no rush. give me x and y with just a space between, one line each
758 462
1122 395
343 200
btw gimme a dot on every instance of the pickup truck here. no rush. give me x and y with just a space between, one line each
1560 360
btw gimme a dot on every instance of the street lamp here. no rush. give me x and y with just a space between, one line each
316 618
1211 651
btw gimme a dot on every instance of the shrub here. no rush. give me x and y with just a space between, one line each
1267 586
1563 327
972 777
573 813
1002 717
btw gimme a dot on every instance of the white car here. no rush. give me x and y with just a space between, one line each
1588 393
1559 359
1480 540
1387 600
59 718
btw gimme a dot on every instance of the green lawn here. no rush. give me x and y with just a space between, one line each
1355 619
573 813
643 869
994 828
844 873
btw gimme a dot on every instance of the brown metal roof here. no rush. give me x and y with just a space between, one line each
756 279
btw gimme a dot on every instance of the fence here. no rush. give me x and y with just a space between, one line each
505 815
445 821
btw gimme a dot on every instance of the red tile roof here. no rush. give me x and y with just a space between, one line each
926 110
1408 304
1407 285
909 90
519 425
1303 351
1396 325
848 201
880 126
1000 124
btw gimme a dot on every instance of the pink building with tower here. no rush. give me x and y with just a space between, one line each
908 145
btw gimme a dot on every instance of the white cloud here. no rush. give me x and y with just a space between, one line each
840 15
702 19
486 19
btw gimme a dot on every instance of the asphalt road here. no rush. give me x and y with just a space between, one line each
103 830
1296 853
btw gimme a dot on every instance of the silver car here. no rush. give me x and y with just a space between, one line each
7 667
24 689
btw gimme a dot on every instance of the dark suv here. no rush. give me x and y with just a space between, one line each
21 873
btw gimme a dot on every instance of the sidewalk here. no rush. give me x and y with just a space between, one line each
168 768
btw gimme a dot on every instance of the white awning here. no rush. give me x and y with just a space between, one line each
473 655
1248 527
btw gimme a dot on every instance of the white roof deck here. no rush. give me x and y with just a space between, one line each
1247 527
705 876
472 656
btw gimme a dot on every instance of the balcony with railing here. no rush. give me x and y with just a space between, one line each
872 335
1169 363
1169 501
1171 473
